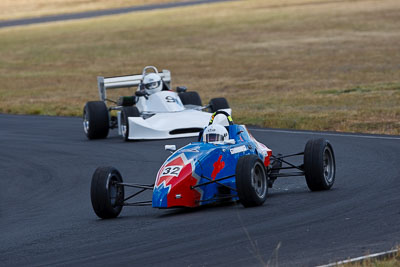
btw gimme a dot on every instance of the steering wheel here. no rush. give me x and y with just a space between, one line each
221 112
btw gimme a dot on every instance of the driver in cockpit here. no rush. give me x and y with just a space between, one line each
215 134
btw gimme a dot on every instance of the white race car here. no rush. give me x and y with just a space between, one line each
154 112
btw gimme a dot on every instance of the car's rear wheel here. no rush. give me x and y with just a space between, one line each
251 181
319 164
106 195
190 98
127 112
96 120
218 103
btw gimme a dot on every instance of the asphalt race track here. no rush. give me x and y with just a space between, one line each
46 218
99 13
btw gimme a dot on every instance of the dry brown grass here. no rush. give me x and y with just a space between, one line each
388 261
13 9
304 64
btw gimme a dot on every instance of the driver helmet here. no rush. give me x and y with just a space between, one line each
152 83
215 134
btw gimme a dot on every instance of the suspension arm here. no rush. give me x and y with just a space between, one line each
215 181
289 174
143 186
288 163
287 156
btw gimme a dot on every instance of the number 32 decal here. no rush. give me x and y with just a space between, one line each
171 171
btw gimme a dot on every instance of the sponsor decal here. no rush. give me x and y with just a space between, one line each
170 99
238 149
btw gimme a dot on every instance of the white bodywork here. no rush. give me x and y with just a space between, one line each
170 125
164 101
162 125
162 114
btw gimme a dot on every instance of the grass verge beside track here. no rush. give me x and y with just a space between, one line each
298 64
392 260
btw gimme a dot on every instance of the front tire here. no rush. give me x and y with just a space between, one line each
319 164
96 120
125 114
218 103
251 181
107 197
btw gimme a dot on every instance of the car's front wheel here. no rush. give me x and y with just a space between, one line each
106 195
96 121
319 164
251 181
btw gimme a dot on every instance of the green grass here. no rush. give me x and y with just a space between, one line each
298 64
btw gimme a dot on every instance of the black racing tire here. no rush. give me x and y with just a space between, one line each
107 198
319 164
96 120
190 98
127 112
251 181
218 103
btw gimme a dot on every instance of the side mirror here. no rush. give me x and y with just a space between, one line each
181 89
170 148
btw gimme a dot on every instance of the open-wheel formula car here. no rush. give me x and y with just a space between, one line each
152 112
226 164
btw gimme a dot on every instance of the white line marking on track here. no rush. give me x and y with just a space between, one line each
329 134
360 258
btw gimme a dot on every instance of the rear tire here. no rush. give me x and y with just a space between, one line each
218 103
127 112
319 164
190 98
107 198
96 120
251 181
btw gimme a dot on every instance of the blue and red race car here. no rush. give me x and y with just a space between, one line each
226 164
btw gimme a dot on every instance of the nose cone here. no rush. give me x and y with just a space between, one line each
173 187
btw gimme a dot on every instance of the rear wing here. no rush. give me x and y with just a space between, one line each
105 83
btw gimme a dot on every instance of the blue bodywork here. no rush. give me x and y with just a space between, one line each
205 172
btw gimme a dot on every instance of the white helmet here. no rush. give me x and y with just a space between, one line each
215 134
152 83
